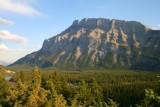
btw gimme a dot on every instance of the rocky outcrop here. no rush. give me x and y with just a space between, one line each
103 43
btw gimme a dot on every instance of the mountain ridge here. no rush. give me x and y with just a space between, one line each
102 43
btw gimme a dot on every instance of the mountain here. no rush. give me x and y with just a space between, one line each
99 43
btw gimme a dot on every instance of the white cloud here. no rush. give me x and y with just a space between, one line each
159 25
11 55
18 6
5 35
5 22
3 47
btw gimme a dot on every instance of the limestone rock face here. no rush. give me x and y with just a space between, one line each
103 43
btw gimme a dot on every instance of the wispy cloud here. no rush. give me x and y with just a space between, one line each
10 55
5 22
6 35
159 25
18 6
3 47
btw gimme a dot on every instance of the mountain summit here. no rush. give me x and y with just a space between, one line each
99 43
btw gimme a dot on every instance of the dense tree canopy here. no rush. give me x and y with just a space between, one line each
79 89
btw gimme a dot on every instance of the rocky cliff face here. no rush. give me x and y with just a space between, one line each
99 43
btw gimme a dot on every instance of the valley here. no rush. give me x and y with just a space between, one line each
79 53
95 62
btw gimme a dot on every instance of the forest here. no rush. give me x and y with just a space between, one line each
86 88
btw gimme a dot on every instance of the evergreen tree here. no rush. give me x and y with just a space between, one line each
84 95
37 95
56 81
66 90
55 100
111 103
74 102
22 76
18 94
3 90
96 90
153 98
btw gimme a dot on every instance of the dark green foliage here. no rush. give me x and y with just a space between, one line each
28 93
152 98
84 96
4 86
22 76
96 91
79 88
126 87
49 91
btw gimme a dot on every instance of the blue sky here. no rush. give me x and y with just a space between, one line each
24 24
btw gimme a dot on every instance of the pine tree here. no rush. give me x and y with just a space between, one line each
84 94
153 98
22 76
74 102
37 95
56 81
18 94
111 103
96 90
55 100
4 86
66 90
